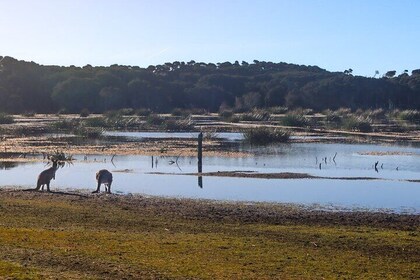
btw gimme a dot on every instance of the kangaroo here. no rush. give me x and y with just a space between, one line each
44 178
104 177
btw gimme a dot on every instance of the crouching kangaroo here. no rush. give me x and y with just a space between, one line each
104 177
44 178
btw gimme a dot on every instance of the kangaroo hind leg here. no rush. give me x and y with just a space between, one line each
98 188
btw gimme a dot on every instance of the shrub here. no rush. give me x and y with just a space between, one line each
294 120
62 111
88 132
112 114
278 110
301 111
199 111
61 157
210 135
6 119
226 114
343 112
65 124
178 112
84 113
155 120
264 136
178 125
96 122
235 119
143 112
360 123
377 114
256 115
412 116
126 111
29 114
308 111
332 117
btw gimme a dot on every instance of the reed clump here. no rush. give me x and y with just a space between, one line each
294 120
412 116
264 136
6 118
361 124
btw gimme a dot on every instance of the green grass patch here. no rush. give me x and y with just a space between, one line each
111 237
12 270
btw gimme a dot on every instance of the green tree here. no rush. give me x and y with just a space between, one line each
111 98
75 94
390 74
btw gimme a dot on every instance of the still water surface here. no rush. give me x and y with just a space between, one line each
391 190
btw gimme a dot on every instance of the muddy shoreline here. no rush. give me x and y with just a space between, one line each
242 212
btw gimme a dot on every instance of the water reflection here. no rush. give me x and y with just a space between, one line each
393 165
6 165
228 136
200 181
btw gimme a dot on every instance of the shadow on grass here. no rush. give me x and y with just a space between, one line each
55 192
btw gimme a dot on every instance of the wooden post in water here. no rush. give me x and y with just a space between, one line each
200 152
200 159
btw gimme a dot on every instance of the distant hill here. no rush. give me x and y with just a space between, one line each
27 86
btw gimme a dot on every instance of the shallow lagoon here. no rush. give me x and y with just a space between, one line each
390 191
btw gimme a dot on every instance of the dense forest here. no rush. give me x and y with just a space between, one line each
30 87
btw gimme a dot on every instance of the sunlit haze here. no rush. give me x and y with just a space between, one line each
335 35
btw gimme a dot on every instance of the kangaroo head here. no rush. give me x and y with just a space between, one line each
55 163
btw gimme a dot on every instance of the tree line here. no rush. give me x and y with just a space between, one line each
30 87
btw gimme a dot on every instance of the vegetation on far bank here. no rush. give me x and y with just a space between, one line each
258 125
27 87
108 237
182 120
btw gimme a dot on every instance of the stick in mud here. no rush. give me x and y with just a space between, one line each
112 160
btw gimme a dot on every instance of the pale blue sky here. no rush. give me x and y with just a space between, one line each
365 35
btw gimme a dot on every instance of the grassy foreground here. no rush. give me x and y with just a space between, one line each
62 236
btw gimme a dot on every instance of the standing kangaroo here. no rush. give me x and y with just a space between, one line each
104 177
44 178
